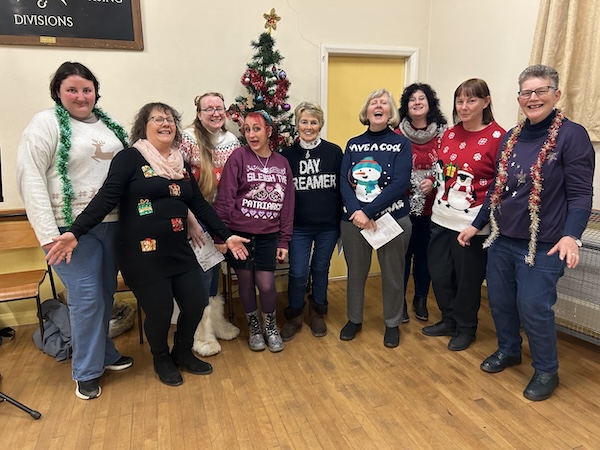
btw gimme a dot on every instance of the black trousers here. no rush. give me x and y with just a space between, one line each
190 291
456 276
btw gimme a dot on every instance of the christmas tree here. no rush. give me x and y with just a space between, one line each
267 86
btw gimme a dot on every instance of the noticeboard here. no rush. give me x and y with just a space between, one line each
72 23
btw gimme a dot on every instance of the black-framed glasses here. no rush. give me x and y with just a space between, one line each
159 120
213 110
540 92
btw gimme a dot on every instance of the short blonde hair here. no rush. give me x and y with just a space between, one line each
394 115
314 109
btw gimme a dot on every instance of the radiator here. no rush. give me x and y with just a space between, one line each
577 308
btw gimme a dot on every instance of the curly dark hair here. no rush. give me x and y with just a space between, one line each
434 114
138 130
67 69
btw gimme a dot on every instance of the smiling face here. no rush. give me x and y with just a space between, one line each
214 120
418 106
160 135
78 96
308 127
537 107
379 113
470 110
257 135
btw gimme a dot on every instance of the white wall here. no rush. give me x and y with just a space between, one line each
192 47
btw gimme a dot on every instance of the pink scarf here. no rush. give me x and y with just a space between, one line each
170 168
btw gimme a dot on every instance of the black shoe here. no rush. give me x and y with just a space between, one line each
188 361
405 317
166 370
391 338
86 390
420 308
349 331
541 386
439 329
124 362
499 361
461 341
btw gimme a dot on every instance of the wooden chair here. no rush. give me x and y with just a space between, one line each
16 233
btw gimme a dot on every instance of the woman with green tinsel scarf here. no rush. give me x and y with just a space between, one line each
62 160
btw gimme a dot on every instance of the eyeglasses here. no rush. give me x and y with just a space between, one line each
211 111
540 92
159 120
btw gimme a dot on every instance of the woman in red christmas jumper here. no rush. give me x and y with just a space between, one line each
256 197
206 145
467 159
422 122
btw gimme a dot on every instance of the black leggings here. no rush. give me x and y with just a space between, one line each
190 291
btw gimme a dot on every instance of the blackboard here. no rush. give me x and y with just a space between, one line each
72 23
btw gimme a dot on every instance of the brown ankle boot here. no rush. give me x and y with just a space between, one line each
291 327
317 323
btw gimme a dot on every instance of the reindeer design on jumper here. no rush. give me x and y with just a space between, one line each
99 154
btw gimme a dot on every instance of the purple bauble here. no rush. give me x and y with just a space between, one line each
287 106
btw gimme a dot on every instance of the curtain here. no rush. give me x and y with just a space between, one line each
567 37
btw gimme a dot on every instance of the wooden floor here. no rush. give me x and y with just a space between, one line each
317 393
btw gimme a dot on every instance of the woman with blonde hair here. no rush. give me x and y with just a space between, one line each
206 145
375 177
315 165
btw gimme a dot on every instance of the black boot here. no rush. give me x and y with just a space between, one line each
184 357
420 308
166 369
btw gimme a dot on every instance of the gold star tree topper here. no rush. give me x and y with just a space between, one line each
271 20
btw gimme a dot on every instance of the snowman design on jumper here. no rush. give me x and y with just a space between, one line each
460 194
366 174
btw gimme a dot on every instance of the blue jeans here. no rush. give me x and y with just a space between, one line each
416 256
321 242
520 294
91 280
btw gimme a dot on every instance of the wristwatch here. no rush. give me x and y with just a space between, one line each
577 241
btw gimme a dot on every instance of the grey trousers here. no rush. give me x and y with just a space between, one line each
357 253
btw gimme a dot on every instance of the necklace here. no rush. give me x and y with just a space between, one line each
535 173
62 161
264 169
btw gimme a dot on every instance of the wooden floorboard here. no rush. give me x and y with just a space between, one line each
317 393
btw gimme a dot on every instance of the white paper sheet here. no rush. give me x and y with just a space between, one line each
208 256
387 229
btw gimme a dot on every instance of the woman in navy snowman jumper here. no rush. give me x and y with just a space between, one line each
375 175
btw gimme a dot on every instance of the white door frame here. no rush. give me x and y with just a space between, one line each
411 67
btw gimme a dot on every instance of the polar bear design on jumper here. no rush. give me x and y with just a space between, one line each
460 194
366 174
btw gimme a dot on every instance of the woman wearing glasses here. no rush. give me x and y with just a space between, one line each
538 207
154 190
465 171
206 145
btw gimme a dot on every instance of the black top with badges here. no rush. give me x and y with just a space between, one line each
152 241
